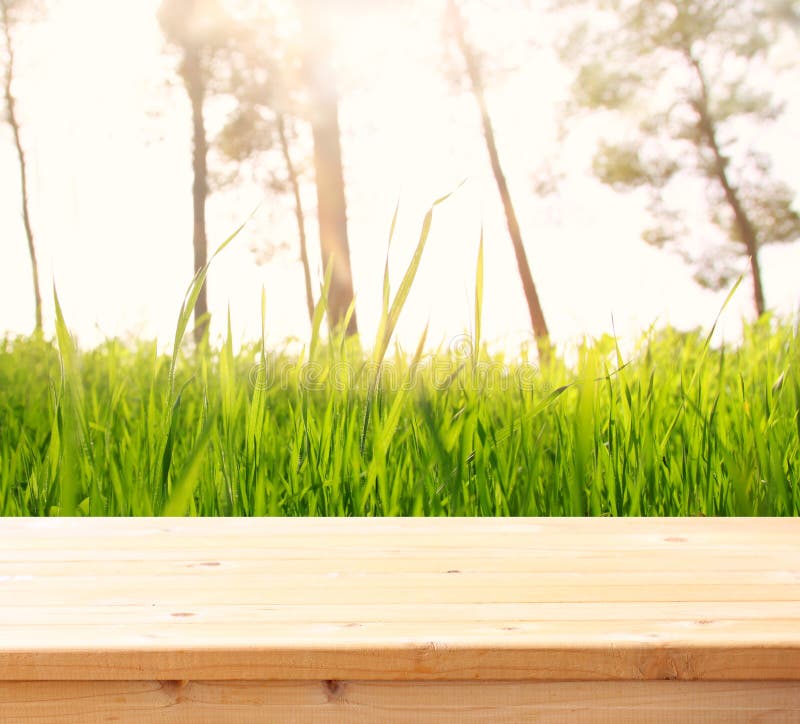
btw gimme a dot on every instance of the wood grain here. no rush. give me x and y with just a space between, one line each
360 702
400 599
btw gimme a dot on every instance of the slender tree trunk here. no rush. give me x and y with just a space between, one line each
192 72
332 206
538 323
747 232
332 211
23 172
298 212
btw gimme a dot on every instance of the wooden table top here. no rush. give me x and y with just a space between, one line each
400 599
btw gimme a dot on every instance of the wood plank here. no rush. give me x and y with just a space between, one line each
580 599
356 702
453 636
550 572
146 591
266 562
388 589
396 661
704 613
699 526
593 534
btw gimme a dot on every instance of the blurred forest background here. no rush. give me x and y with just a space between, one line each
626 159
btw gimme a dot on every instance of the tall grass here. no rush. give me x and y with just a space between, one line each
680 428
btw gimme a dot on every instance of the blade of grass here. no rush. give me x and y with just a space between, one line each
476 343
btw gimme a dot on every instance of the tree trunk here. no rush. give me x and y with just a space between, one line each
747 232
538 323
192 72
298 211
332 207
23 172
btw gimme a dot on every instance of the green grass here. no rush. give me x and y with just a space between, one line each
680 428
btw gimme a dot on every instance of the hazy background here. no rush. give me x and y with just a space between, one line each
106 125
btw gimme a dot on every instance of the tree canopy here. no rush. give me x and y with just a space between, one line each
690 78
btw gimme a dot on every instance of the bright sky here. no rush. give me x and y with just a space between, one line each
109 147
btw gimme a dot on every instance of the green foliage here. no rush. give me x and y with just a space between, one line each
599 87
682 76
682 429
620 166
262 74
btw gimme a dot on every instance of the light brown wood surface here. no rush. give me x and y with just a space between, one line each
398 599
362 702
326 620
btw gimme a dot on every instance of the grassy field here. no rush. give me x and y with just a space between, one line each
679 428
